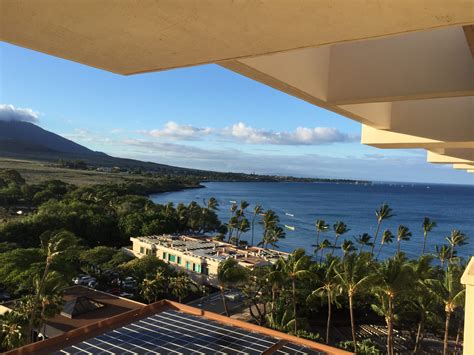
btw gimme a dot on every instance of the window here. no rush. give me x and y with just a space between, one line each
171 258
148 251
205 271
142 250
188 265
164 255
198 268
179 260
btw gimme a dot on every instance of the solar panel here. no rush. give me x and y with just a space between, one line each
175 332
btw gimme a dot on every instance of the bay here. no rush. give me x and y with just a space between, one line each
300 204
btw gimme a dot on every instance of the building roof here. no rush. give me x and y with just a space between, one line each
170 327
211 249
84 306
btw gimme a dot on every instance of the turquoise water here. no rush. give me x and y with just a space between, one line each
451 206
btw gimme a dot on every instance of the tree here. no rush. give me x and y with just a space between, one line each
347 246
53 245
321 227
392 278
383 213
323 245
421 302
339 228
387 238
363 240
428 226
229 273
257 210
451 293
456 238
328 288
150 289
12 330
443 252
181 285
270 220
295 267
353 275
403 233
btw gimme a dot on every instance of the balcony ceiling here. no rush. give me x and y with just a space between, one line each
404 69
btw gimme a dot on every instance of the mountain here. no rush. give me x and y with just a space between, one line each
24 140
27 141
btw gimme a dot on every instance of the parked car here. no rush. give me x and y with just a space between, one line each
126 294
84 280
129 282
234 296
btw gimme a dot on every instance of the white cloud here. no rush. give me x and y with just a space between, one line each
175 131
300 136
12 113
240 132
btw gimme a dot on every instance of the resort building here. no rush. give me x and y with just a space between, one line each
200 256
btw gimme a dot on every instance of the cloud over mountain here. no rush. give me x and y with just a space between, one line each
12 113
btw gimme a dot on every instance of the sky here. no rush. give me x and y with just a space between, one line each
204 117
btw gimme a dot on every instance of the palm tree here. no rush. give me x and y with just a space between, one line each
321 227
329 288
257 210
403 233
456 238
295 267
323 245
420 300
12 330
339 228
151 289
384 212
273 236
229 273
393 277
450 292
212 204
363 240
181 285
428 226
269 221
347 246
53 245
387 238
352 275
443 253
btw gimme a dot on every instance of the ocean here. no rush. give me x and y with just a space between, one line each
301 204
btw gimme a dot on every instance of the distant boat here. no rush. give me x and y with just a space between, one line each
291 228
232 201
290 214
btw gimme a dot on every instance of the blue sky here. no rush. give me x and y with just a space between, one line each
203 117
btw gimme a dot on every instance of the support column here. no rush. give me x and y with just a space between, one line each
467 279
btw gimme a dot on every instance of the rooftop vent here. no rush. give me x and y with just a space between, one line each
80 305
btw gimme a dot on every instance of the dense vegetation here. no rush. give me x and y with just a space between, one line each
71 229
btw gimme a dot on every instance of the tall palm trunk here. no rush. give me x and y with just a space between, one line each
335 245
321 257
31 322
294 303
446 333
328 323
390 327
378 254
419 336
375 237
317 237
351 311
424 244
224 301
398 247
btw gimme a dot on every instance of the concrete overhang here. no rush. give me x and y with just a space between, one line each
463 166
129 37
403 69
437 158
